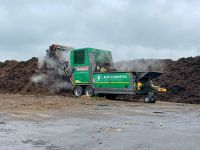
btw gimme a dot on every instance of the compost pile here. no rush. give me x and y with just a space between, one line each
181 78
28 77
15 77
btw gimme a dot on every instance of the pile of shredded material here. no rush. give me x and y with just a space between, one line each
15 77
19 77
181 78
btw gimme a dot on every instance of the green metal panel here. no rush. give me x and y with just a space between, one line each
112 80
101 80
120 80
81 77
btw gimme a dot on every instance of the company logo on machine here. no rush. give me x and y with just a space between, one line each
115 77
98 77
84 68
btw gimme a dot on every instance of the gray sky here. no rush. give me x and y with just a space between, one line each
131 29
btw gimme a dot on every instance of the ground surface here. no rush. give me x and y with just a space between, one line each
56 122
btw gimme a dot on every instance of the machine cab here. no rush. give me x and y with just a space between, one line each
86 61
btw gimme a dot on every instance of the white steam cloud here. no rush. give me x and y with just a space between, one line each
51 75
141 65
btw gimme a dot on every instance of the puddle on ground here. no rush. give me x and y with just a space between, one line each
42 143
102 105
54 147
7 130
110 129
158 112
35 142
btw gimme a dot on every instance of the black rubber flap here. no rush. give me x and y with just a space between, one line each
149 76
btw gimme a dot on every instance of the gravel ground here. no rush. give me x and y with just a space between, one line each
59 123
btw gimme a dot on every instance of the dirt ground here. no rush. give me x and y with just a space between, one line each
18 102
58 123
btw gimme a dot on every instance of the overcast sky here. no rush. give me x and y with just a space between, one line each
131 29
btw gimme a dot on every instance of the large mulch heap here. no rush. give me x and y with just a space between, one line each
181 78
15 77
